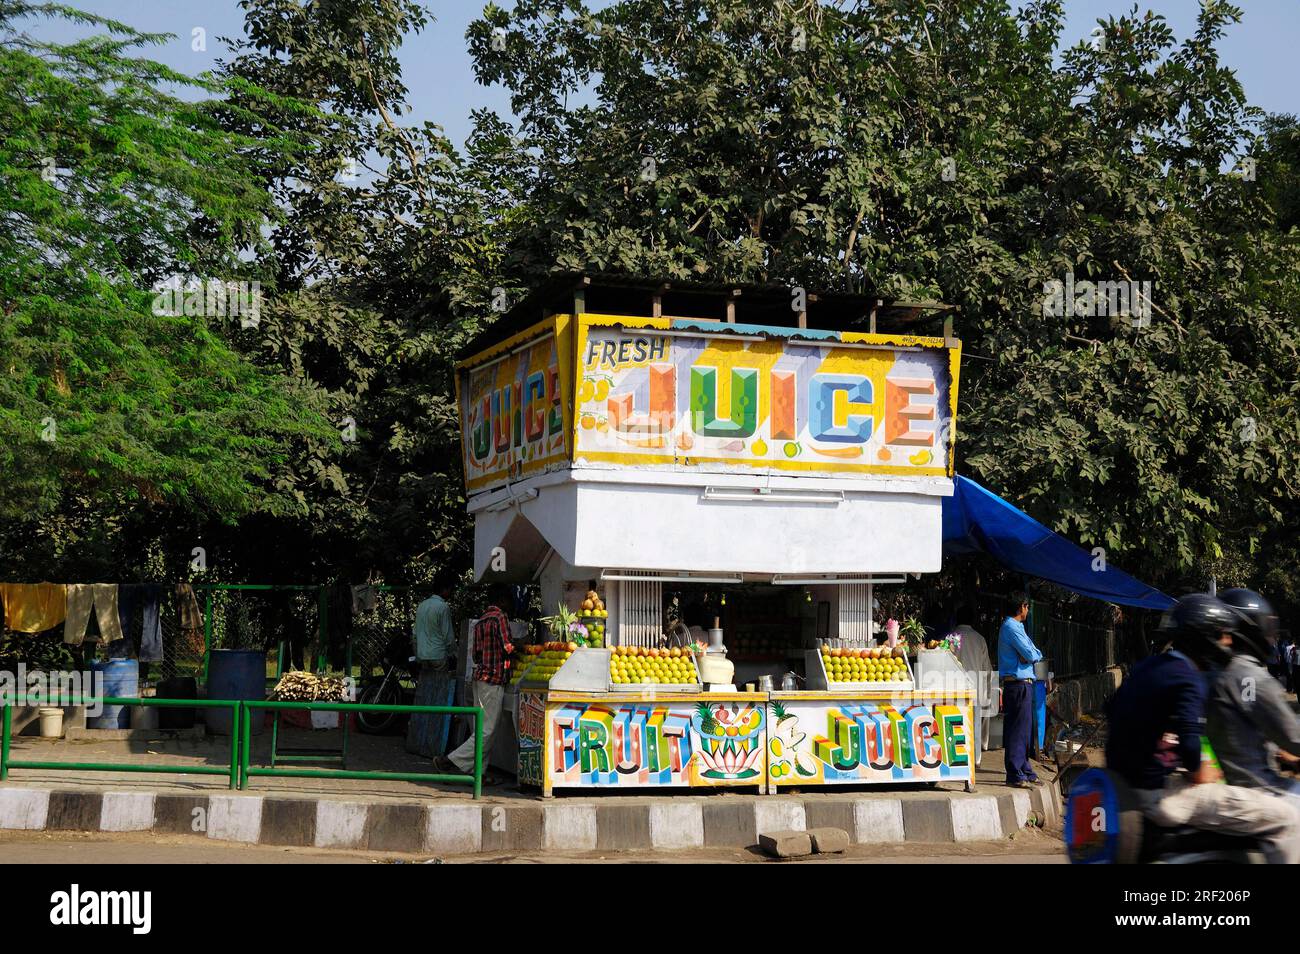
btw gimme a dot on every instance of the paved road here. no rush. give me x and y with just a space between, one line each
76 848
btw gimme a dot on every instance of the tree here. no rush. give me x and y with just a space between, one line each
1279 156
385 261
911 149
115 398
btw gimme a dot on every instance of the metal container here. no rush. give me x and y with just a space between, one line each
1042 669
765 684
587 670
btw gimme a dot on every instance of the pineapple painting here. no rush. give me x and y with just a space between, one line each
730 740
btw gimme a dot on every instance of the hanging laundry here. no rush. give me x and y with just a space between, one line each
151 643
82 599
364 598
33 607
190 619
137 607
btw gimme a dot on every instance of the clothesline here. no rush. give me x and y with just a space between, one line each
123 612
130 611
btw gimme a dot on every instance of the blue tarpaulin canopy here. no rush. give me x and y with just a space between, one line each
978 521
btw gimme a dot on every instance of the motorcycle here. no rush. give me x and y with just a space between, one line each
1104 825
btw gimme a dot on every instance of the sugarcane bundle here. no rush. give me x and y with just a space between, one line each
332 689
301 686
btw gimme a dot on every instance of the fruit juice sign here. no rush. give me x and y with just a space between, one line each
824 743
655 744
512 406
675 393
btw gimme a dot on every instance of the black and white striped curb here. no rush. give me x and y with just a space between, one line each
463 828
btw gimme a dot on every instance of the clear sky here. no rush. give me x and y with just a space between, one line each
436 65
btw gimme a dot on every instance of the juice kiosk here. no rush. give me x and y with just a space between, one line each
768 476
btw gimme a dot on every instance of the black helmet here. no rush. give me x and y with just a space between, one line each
1196 625
1256 630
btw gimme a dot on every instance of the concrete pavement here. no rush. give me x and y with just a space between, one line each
414 817
75 848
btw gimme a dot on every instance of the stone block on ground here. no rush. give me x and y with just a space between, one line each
786 844
827 841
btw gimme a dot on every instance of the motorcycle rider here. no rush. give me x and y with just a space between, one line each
1248 714
1154 743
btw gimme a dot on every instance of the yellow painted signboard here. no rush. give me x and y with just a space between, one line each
679 393
684 394
514 406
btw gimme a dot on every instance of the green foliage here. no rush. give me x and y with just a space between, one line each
108 185
383 277
898 148
956 151
44 652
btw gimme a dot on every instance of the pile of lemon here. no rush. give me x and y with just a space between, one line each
546 663
856 668
519 668
633 665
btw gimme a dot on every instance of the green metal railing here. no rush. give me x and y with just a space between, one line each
235 705
280 753
251 706
241 742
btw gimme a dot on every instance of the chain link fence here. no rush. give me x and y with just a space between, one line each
247 618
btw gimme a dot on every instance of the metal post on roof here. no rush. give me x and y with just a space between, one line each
949 325
657 301
871 322
731 306
580 296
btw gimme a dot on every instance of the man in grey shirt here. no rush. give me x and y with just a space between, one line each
434 636
1248 712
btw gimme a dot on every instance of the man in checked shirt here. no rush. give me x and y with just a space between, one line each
491 656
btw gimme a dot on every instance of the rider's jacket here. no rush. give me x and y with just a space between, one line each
1247 708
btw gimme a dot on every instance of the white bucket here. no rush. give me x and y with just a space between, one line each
324 720
1067 749
51 722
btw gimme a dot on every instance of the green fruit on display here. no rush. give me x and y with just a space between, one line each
544 662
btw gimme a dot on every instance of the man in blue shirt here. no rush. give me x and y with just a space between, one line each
1016 657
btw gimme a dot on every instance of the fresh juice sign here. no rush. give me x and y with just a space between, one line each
672 393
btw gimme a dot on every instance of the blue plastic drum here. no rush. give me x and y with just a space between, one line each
1103 825
121 677
235 674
